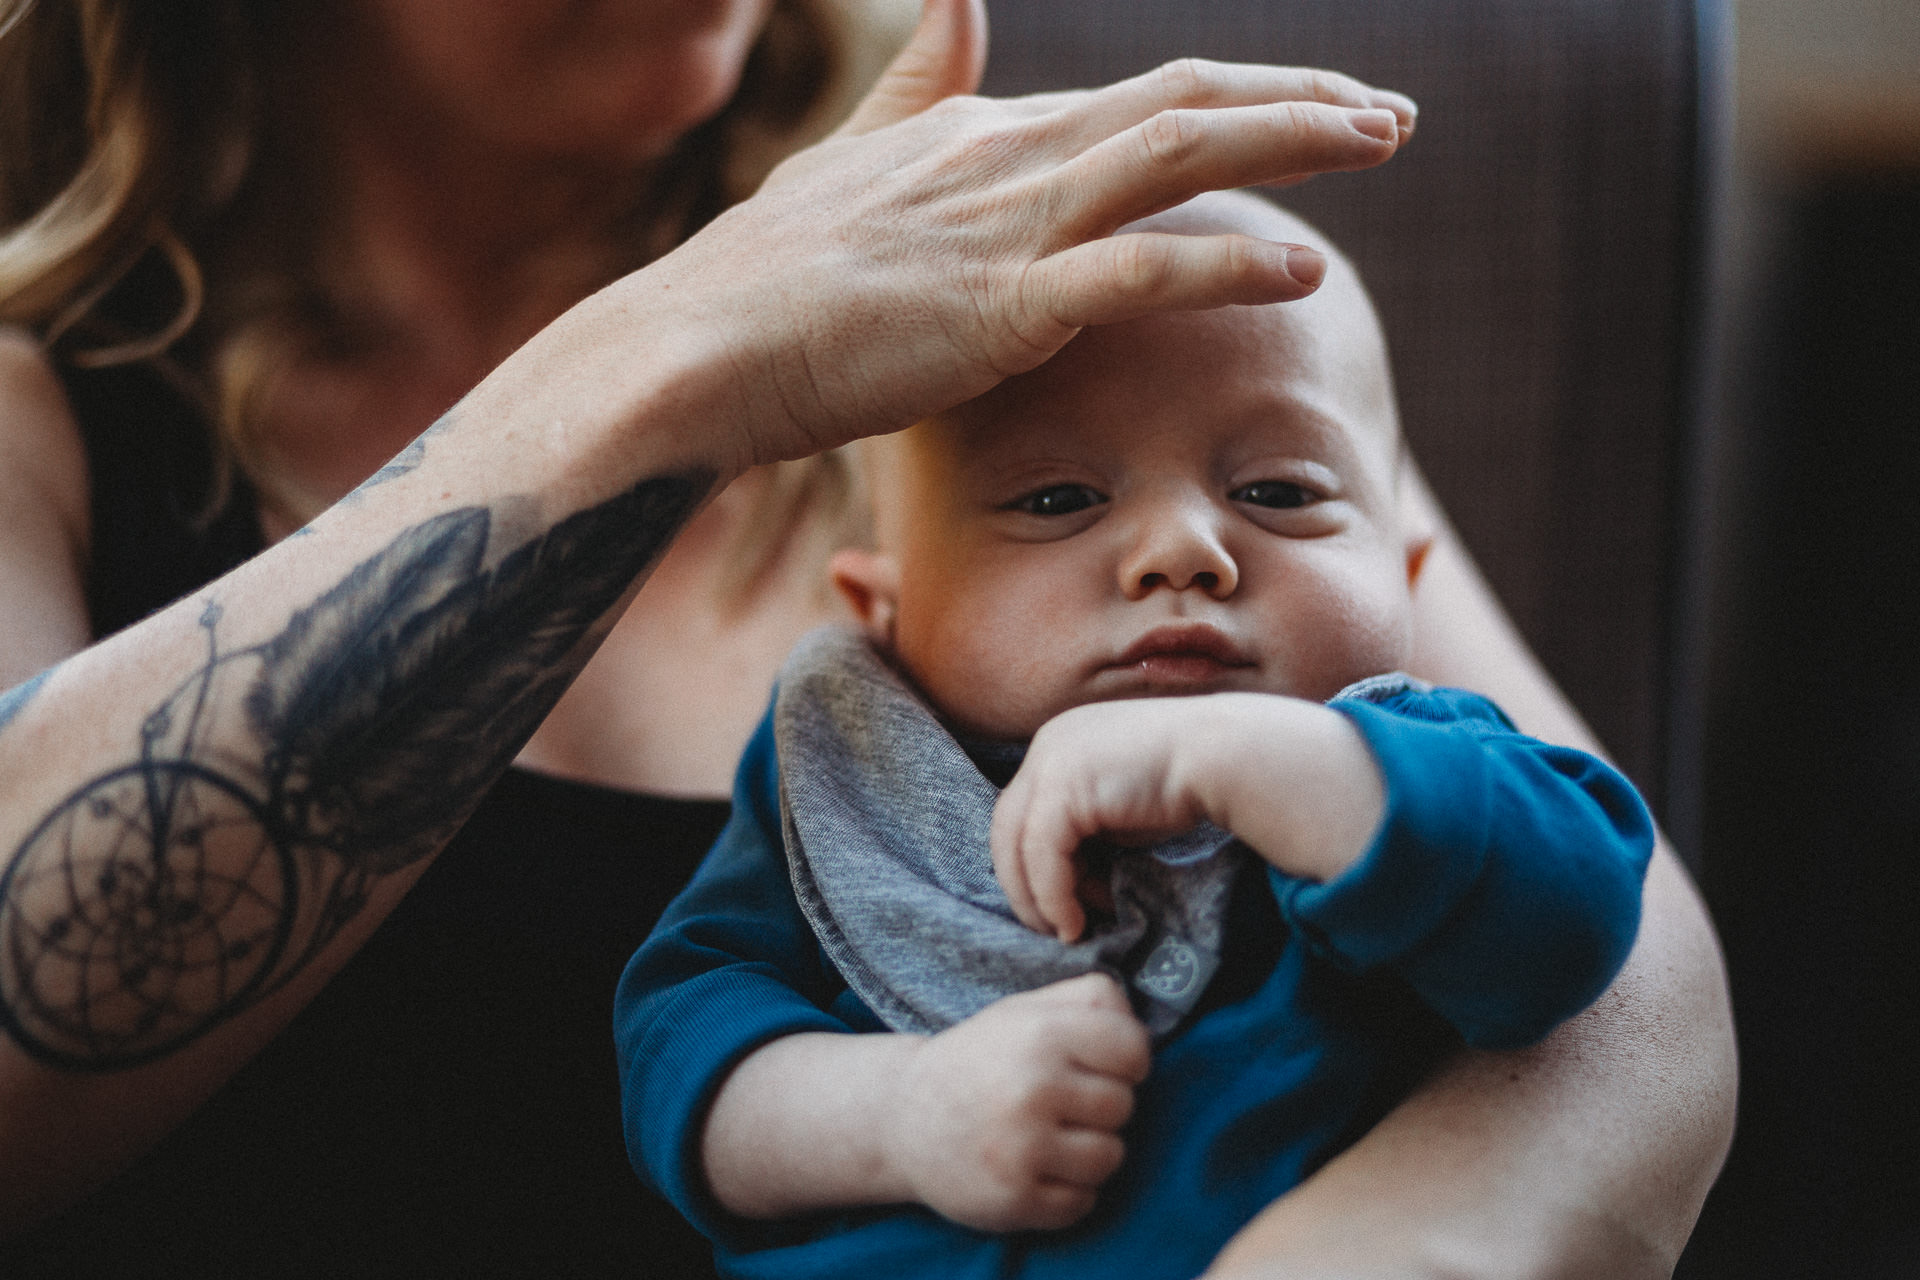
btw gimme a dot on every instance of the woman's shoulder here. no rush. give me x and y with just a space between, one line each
45 525
39 441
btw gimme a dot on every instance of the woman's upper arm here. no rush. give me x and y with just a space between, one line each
1588 1154
43 516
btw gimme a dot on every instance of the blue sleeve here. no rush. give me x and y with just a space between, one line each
731 965
1504 882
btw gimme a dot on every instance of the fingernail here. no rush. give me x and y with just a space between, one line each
1308 267
1376 123
1406 113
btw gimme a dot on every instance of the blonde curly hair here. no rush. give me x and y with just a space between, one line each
147 215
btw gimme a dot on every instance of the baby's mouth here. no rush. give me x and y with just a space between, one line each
1181 655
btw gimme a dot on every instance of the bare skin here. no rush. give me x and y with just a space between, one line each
645 381
162 793
1153 557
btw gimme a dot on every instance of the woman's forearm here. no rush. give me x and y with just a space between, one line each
1587 1155
201 817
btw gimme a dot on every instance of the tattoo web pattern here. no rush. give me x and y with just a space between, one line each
165 896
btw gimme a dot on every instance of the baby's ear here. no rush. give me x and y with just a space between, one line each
1417 515
1418 545
869 581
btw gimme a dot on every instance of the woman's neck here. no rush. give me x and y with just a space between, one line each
445 249
474 238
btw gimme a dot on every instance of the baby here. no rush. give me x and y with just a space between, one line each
1243 887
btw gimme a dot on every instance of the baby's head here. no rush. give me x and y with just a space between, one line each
1182 504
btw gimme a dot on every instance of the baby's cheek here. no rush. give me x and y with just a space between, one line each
972 667
1366 629
1005 691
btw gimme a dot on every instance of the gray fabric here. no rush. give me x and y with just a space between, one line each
885 819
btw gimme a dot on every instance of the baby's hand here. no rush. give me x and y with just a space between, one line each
1010 1119
1292 779
1108 768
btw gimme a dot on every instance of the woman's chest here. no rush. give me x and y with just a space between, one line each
667 703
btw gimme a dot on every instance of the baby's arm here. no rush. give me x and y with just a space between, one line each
744 1095
1291 778
1499 876
1006 1121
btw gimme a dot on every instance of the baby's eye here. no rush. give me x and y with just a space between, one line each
1279 494
1058 500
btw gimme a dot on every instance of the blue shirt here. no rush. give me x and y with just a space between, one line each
1498 898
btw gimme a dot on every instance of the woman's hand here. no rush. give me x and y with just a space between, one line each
939 243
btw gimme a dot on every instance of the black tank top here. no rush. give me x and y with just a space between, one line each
448 1106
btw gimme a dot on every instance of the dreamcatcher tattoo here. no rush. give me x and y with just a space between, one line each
163 897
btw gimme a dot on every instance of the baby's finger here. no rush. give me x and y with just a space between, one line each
1053 1205
1087 1101
1114 1044
1126 276
1081 1157
1037 847
1094 992
1053 878
1177 154
1003 841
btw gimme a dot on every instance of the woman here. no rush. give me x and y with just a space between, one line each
325 226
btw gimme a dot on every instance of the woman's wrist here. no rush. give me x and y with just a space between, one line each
631 382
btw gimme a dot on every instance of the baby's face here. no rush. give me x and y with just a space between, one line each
1179 505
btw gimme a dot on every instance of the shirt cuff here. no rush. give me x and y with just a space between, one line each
1429 850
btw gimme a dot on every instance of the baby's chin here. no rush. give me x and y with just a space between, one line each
1007 724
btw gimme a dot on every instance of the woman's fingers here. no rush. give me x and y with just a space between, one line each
945 56
1176 154
1196 83
1126 276
943 242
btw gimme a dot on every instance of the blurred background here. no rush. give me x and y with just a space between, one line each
1809 825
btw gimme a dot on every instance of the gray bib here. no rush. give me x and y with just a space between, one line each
885 819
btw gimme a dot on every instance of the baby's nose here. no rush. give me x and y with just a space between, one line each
1183 551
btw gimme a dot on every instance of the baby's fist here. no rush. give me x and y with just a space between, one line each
1011 1118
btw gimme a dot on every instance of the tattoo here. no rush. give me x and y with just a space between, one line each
12 700
408 458
169 894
